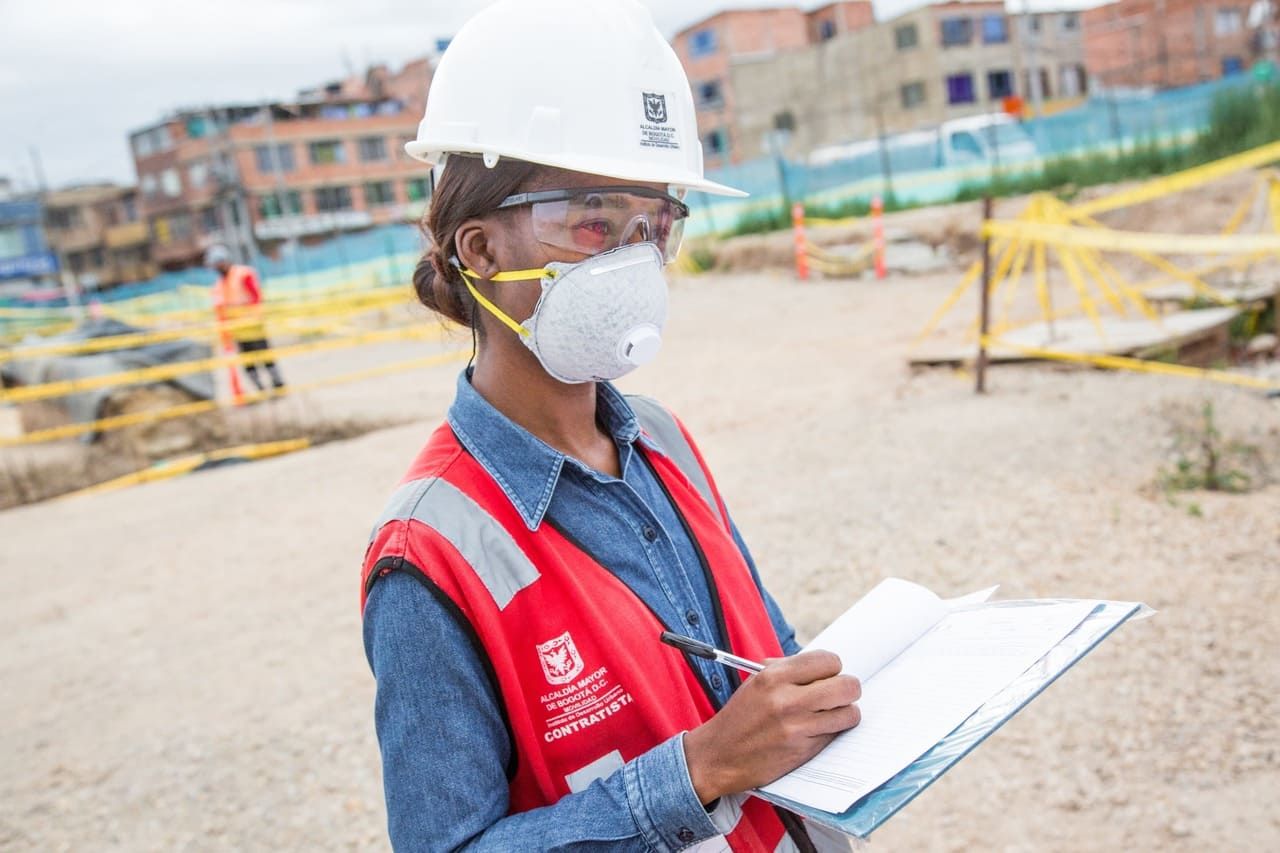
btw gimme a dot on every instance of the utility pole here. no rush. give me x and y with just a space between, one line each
1031 61
68 279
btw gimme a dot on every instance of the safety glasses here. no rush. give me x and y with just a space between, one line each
591 220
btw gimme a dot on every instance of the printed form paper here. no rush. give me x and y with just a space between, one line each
915 699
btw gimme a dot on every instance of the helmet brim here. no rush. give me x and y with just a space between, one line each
617 169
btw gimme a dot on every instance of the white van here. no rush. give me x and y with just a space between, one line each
994 139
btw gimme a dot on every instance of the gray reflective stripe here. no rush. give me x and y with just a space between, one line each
786 845
601 768
659 423
484 543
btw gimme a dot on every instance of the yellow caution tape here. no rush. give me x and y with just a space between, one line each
1180 182
186 464
197 332
1118 362
1130 241
162 372
826 223
202 406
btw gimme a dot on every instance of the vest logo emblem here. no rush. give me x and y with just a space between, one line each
560 660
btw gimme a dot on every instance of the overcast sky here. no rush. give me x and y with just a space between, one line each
77 75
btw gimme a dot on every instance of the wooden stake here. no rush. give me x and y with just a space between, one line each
984 300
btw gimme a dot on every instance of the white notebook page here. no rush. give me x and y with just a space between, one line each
919 697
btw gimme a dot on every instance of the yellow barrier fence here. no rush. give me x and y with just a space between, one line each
186 464
277 320
203 406
162 372
1139 365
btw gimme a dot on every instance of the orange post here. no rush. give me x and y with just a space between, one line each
802 251
877 226
229 348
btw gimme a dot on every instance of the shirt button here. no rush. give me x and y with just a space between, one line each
692 617
649 533
717 682
685 835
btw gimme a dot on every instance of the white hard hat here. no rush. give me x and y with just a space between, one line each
217 254
585 85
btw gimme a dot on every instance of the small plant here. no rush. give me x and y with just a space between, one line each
1206 460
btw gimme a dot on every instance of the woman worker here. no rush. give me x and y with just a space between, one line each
516 585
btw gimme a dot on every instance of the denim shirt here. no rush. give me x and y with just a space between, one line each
440 730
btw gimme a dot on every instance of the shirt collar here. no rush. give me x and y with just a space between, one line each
525 467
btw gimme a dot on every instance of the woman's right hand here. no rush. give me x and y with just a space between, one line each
777 720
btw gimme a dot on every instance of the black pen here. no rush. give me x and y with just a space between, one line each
702 650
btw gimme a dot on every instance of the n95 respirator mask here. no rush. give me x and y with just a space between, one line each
595 320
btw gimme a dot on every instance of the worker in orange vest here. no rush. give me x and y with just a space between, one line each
237 299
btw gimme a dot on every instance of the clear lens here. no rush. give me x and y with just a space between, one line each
596 222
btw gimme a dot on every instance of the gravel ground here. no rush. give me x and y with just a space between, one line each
183 666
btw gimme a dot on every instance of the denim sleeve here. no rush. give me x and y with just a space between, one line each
445 748
781 627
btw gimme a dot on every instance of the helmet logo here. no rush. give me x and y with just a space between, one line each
656 131
655 108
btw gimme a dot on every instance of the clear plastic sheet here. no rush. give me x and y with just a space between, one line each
875 808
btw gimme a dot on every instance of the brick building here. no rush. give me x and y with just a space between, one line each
328 162
711 47
1166 43
98 234
939 62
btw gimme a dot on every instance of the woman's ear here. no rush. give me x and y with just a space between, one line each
473 243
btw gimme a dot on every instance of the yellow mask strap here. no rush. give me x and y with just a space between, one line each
469 276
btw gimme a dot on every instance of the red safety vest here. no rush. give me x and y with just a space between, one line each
232 302
574 654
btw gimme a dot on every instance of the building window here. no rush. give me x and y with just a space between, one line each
327 152
994 29
372 149
330 199
785 120
129 206
715 144
999 85
960 89
710 95
169 229
1031 23
1232 65
1070 22
912 95
956 31
209 220
63 218
378 193
198 174
152 141
269 206
906 36
417 189
1227 22
149 185
1072 81
1046 90
826 30
702 43
283 157
171 183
